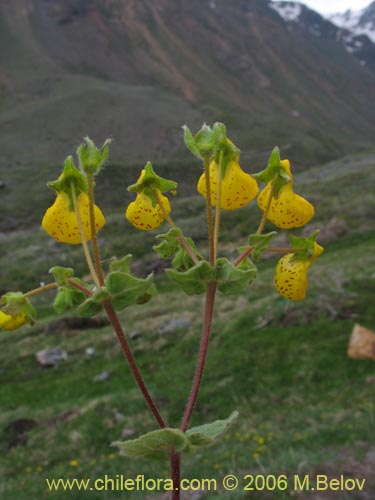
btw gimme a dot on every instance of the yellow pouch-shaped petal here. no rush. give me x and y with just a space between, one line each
62 224
291 275
237 187
142 215
288 210
10 321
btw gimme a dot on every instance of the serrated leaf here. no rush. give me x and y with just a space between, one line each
126 290
182 260
260 243
121 264
206 434
193 281
169 244
155 444
61 274
89 307
68 298
233 280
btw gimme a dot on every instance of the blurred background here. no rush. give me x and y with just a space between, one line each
276 73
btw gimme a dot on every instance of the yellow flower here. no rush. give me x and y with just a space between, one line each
237 187
11 321
61 223
143 215
291 274
289 209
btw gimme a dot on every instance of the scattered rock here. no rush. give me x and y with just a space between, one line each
16 431
127 432
361 343
75 323
174 325
51 357
102 377
135 335
90 351
119 417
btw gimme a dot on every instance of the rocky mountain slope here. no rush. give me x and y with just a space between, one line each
137 70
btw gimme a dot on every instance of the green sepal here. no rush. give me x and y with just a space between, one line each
121 265
70 175
14 303
169 244
61 274
227 153
182 260
232 280
93 305
155 445
193 281
275 171
91 158
126 290
206 142
260 243
68 297
303 245
150 181
206 434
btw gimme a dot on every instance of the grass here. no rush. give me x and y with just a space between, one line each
303 403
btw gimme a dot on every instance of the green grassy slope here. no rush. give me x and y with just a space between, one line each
304 406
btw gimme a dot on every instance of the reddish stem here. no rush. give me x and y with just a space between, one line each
209 309
175 460
131 361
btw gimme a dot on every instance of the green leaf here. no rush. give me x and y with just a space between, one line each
155 444
61 274
193 281
169 244
121 265
68 298
89 308
126 290
206 434
182 260
233 280
260 243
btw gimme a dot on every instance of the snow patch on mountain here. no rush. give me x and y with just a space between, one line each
289 11
359 22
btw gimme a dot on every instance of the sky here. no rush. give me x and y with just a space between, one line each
332 6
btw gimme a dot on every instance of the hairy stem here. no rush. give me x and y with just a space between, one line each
209 309
243 255
132 363
218 206
40 289
94 240
267 209
175 461
210 221
85 248
80 287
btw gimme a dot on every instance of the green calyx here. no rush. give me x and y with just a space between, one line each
91 158
260 243
68 296
15 303
158 444
206 142
171 248
149 181
275 172
304 246
69 177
